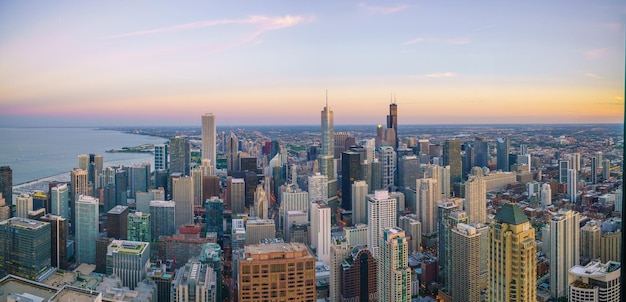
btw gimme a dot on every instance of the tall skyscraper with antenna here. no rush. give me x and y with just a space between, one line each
209 136
392 125
326 157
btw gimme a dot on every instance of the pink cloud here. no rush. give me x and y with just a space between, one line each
612 25
385 10
597 53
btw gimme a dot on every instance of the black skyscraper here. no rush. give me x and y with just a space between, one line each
6 184
350 171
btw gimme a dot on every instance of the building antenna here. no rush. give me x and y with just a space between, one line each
326 97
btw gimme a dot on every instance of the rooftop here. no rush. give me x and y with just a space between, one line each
511 214
16 285
118 209
24 223
276 251
127 247
70 293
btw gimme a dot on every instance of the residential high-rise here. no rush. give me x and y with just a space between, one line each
564 165
444 210
232 152
121 186
593 174
128 260
161 157
25 247
465 259
606 169
413 229
350 172
139 227
237 195
388 163
320 230
452 158
546 195
476 199
86 229
327 155
339 251
503 146
117 222
381 215
359 276
5 209
277 259
259 229
597 281
162 218
6 183
392 124
590 241
426 199
511 248
60 197
359 203
564 249
215 216
183 196
209 136
195 281
394 275
58 240
180 155
79 186
572 185
23 205
201 176
139 179
318 188
442 176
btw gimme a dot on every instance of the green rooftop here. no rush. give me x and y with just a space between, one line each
511 214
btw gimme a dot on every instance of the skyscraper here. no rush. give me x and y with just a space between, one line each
381 215
117 222
209 136
388 163
546 195
426 199
593 174
452 158
183 196
162 218
359 276
6 183
139 225
180 155
86 229
590 241
476 199
161 157
465 259
128 260
564 165
232 152
394 275
564 249
350 172
481 149
5 209
318 187
596 281
320 230
60 196
327 155
58 240
511 248
25 247
502 147
359 203
572 185
215 216
392 123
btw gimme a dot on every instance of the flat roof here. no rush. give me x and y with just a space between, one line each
118 209
127 247
70 293
16 285
24 223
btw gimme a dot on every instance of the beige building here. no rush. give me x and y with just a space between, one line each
277 272
590 241
465 256
512 257
610 246
597 281
183 196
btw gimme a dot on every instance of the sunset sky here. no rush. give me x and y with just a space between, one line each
85 63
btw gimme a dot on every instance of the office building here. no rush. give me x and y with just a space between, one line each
128 260
117 222
572 186
261 203
593 174
359 280
195 281
381 215
209 136
59 199
511 248
350 172
476 199
139 179
564 166
237 191
25 247
339 251
318 188
590 241
413 229
426 199
86 229
394 275
183 196
408 171
121 186
392 126
23 205
159 274
503 146
444 227
258 229
58 240
293 218
320 230
139 227
143 199
606 169
205 184
276 259
162 218
215 216
161 157
481 152
326 157
6 183
180 155
465 258
388 166
359 202
597 282
232 152
452 158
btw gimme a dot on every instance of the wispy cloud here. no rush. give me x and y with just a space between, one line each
447 74
385 10
591 75
264 23
596 53
455 41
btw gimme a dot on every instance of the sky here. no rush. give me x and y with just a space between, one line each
165 63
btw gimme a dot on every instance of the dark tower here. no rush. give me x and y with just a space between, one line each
503 146
392 123
350 171
452 158
6 184
359 276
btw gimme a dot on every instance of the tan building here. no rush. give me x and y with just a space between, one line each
610 246
512 257
277 272
590 241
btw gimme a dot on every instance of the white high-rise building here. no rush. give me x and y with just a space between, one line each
318 188
564 249
320 231
381 215
388 163
572 185
427 196
60 200
86 229
359 203
394 274
597 282
129 260
442 175
23 204
546 195
209 136
326 158
618 200
476 200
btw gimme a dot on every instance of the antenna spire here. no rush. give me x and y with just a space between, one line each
326 97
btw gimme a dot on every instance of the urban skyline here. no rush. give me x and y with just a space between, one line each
116 63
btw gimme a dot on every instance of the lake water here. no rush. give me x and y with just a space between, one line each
34 153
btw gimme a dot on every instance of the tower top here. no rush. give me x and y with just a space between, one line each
326 97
